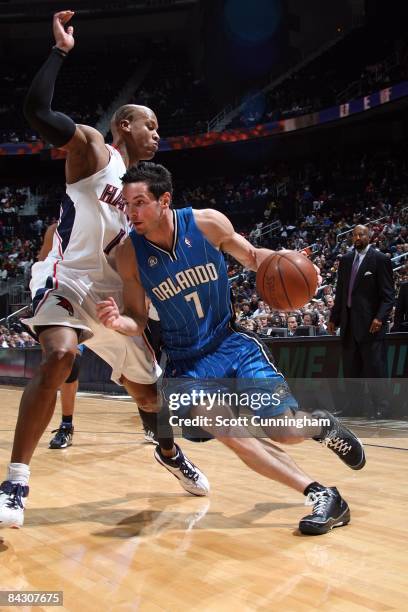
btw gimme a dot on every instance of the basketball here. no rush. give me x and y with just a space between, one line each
286 281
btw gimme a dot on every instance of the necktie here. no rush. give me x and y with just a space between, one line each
354 270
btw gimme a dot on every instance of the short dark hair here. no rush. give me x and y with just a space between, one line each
156 176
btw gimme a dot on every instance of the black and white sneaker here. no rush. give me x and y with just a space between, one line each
190 477
341 440
63 436
329 510
12 496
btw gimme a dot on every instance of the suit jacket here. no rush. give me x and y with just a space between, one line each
401 310
372 297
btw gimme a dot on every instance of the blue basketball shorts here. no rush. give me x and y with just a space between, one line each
239 369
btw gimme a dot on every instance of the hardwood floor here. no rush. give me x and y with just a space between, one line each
108 526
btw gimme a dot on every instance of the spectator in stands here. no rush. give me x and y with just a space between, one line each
292 325
264 328
277 321
321 327
251 325
307 318
261 309
245 312
363 303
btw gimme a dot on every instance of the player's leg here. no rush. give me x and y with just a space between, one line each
273 463
133 365
38 400
68 394
286 423
330 509
36 409
152 336
156 418
149 406
68 390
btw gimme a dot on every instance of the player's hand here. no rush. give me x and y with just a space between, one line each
331 328
64 39
375 326
108 314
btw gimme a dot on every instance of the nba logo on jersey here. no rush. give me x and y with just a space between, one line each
152 261
188 242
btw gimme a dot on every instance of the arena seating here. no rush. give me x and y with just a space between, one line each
359 64
361 189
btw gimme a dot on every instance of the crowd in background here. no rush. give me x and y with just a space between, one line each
359 64
312 208
179 97
11 337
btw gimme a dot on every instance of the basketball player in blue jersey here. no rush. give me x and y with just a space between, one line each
81 269
177 257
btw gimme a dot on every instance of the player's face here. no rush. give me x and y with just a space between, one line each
145 136
142 208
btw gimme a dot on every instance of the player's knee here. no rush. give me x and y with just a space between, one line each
57 366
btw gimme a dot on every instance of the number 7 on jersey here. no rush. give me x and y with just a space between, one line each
195 297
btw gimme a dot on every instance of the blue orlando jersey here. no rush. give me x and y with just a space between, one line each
188 286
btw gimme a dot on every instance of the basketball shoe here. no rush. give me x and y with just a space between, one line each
329 510
12 496
340 440
63 436
190 477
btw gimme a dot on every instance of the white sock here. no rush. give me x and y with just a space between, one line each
18 472
176 456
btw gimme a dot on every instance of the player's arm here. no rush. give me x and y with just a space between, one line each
134 318
55 127
47 242
218 230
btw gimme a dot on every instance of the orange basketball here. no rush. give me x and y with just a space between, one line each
286 281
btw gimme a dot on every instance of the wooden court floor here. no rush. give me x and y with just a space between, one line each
113 530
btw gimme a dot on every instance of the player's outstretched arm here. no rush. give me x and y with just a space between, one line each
134 318
219 230
54 127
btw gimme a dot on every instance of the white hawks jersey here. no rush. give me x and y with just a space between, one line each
92 223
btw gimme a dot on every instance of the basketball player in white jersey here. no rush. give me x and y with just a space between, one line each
68 390
79 272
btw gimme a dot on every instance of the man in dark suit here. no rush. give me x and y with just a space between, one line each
363 302
401 310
